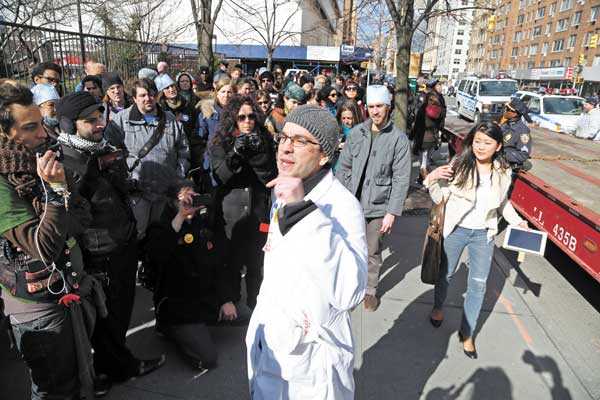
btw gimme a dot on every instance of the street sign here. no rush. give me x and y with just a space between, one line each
569 73
346 50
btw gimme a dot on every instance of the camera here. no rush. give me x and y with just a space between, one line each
254 142
201 200
105 161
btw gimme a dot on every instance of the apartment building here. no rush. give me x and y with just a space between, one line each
477 52
541 34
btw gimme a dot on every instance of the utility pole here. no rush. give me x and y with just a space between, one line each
81 40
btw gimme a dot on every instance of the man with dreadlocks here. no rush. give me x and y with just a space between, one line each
40 264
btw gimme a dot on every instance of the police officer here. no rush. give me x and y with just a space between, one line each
517 138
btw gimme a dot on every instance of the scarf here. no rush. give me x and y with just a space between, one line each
19 166
79 143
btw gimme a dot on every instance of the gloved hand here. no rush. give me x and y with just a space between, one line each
241 146
69 299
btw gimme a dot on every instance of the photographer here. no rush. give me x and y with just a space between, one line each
109 243
243 161
199 291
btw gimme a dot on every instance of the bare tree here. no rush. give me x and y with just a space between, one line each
268 23
204 22
406 24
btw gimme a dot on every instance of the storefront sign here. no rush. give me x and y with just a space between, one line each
323 53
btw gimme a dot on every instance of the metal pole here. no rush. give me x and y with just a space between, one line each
81 40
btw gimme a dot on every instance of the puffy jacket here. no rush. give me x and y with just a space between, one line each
588 125
377 172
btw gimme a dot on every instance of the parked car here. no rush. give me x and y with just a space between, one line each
554 112
482 99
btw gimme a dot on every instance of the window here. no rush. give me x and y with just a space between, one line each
515 52
501 10
533 49
517 37
521 4
456 61
460 32
520 19
557 45
458 51
588 37
493 54
544 48
562 25
571 42
548 28
596 61
552 9
567 61
537 31
523 51
459 42
540 12
455 70
594 13
530 64
555 63
542 64
565 5
576 18
508 8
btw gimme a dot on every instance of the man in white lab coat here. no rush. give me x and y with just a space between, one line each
299 339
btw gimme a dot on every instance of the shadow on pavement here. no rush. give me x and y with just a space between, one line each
485 383
546 364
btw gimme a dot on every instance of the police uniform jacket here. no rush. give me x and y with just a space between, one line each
517 141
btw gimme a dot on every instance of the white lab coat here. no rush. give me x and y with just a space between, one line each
299 338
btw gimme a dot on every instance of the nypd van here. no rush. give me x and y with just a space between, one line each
553 112
482 99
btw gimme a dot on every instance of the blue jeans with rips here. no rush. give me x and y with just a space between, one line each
47 346
480 260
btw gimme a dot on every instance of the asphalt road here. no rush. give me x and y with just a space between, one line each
539 336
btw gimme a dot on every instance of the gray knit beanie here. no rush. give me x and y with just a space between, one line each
320 123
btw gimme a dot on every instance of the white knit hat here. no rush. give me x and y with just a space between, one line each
377 94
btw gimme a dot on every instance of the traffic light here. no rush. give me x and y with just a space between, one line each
492 23
594 41
581 59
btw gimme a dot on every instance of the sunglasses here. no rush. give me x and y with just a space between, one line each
351 88
264 102
333 95
53 80
266 80
243 117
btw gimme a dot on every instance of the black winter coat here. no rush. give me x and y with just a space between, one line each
242 193
426 128
192 281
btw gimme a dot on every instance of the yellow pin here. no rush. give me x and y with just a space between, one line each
188 238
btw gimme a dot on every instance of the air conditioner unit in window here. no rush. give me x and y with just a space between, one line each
570 49
582 2
544 54
593 22
547 35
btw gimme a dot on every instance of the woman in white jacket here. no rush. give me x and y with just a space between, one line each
475 185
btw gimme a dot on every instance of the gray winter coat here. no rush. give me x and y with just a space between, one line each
385 164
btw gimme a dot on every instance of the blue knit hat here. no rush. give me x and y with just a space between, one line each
163 81
44 92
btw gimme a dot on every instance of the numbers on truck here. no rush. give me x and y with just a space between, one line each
565 237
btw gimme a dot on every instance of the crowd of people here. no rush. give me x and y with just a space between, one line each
208 184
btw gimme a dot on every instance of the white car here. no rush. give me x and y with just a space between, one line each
554 112
482 99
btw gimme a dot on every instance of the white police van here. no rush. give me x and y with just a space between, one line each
482 99
554 112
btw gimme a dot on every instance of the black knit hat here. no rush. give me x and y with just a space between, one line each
109 79
267 75
77 105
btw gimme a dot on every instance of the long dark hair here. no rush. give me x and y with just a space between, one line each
228 121
352 106
465 163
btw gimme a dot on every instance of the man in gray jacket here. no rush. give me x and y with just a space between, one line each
157 152
375 166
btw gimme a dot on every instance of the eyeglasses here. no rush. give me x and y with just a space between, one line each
351 88
53 80
297 141
264 102
243 117
333 95
266 80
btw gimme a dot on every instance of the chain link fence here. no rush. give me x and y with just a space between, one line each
23 46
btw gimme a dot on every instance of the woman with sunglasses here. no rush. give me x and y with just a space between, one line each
475 186
328 96
264 101
354 92
242 157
